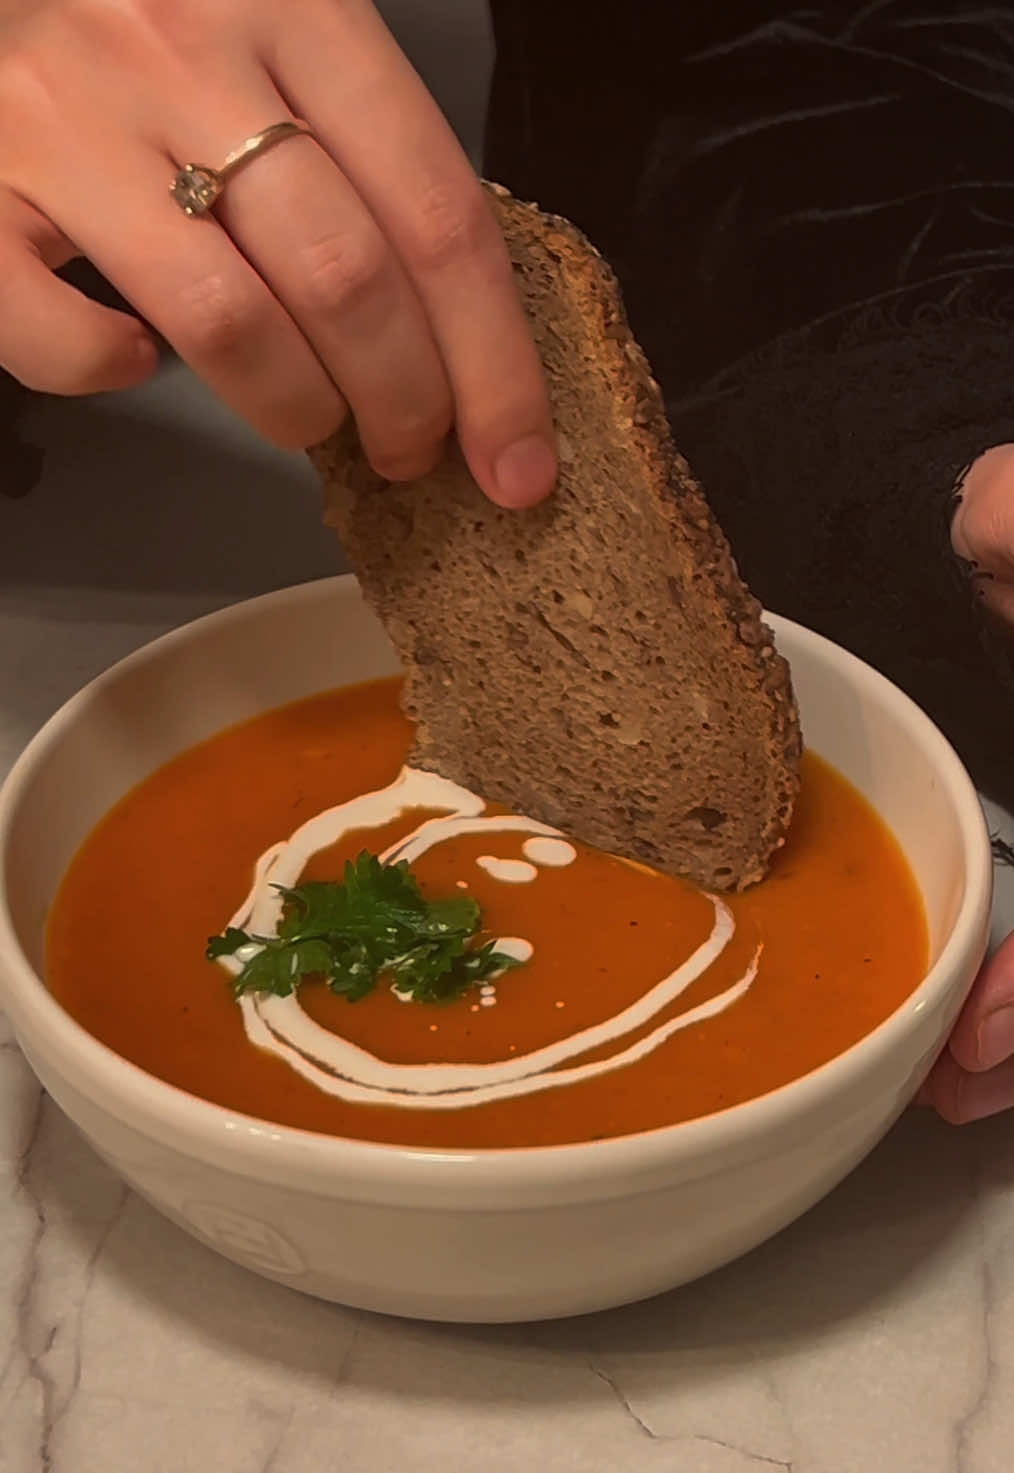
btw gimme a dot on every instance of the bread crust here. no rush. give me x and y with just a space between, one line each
697 773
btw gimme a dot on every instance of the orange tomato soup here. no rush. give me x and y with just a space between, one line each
839 922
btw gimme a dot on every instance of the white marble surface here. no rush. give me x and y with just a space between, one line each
874 1336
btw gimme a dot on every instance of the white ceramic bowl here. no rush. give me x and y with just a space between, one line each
459 1235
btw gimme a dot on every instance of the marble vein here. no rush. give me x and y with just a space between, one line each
273 1461
42 1372
967 1427
649 1432
24 1362
638 1422
60 1398
746 1453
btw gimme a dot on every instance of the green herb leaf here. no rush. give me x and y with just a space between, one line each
353 971
279 967
440 971
445 917
375 922
225 945
484 961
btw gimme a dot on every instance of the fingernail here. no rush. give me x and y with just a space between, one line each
525 471
994 1040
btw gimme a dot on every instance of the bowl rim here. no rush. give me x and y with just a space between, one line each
263 1149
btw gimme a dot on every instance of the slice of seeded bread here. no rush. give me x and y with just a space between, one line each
595 663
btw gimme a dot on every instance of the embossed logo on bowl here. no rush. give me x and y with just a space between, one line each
252 1242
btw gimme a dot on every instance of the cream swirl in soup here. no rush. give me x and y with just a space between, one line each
343 1069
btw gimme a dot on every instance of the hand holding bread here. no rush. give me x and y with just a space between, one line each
355 268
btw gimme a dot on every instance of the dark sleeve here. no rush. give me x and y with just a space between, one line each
812 214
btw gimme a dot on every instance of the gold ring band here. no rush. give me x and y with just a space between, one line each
197 187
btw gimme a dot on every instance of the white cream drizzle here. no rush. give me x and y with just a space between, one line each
341 1068
517 947
549 853
509 871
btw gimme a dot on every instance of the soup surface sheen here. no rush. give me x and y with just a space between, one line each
807 964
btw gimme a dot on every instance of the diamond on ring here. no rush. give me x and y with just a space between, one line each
195 189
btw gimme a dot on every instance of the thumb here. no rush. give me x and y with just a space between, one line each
982 530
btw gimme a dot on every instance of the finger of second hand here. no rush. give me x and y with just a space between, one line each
385 132
51 245
304 228
982 528
55 340
190 282
52 337
984 1034
961 1097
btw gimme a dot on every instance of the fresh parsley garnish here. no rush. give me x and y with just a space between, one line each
374 923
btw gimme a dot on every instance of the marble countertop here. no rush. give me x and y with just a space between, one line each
876 1335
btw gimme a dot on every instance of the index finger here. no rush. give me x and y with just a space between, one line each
374 116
